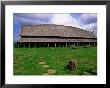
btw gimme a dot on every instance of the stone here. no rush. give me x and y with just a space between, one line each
51 71
41 62
46 66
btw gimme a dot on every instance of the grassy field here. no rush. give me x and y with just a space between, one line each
27 61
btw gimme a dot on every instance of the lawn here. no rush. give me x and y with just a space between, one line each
54 61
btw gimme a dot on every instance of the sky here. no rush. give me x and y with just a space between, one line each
86 21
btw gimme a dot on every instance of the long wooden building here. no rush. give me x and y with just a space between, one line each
51 35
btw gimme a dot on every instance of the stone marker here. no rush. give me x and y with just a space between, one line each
72 64
51 71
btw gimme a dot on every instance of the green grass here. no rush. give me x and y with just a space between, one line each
26 60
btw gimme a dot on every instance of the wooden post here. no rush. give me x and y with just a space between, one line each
89 43
44 44
63 45
55 44
94 44
77 44
59 45
66 44
80 44
24 45
39 44
29 45
74 45
69 44
48 44
72 64
34 45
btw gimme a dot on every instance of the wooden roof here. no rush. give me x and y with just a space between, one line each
54 30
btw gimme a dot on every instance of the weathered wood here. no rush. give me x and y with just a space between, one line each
48 44
55 44
72 64
59 45
24 45
66 44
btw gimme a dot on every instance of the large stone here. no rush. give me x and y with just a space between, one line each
46 66
42 62
51 71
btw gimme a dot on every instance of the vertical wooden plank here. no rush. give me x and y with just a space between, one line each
59 45
55 44
44 44
34 45
66 44
24 45
48 44
29 45
74 45
94 44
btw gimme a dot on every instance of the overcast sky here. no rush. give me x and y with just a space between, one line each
81 20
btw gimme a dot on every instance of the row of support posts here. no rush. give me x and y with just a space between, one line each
52 45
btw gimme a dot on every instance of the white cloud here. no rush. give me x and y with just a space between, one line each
91 27
89 22
33 18
64 19
88 18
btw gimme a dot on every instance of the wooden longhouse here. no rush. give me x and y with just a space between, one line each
50 35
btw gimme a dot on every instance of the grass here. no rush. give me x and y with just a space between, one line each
26 60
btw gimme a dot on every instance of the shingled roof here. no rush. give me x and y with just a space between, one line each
54 30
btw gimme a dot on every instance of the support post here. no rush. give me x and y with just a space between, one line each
74 44
34 45
66 44
59 45
77 44
24 45
69 44
94 44
44 44
29 45
55 44
48 44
